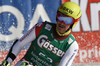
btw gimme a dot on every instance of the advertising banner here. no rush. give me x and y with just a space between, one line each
87 31
18 16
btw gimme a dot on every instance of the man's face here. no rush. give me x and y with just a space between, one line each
63 22
62 27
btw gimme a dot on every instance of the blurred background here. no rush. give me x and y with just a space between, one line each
18 16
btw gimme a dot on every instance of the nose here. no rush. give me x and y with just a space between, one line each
62 23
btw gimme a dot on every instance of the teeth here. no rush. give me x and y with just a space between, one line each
60 26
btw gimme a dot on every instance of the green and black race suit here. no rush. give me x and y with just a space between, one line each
47 47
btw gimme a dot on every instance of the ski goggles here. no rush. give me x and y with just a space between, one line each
64 18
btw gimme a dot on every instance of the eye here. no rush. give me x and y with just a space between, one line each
65 16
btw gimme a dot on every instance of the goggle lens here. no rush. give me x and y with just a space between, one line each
64 18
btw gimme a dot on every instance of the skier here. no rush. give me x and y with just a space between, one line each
51 44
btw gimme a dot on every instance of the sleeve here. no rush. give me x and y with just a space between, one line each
69 56
18 45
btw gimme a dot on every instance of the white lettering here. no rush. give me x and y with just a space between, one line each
84 19
95 8
41 41
83 54
90 53
50 48
16 32
55 50
46 44
96 51
39 12
77 27
59 52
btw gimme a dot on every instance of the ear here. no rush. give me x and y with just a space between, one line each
76 20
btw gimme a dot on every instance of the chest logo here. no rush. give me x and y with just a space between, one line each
48 27
43 42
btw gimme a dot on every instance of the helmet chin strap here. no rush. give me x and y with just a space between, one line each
66 33
69 28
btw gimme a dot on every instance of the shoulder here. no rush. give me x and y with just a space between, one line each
43 23
75 44
72 37
49 23
74 40
74 47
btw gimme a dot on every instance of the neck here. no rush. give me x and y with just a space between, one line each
57 36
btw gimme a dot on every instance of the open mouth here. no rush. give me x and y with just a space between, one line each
61 26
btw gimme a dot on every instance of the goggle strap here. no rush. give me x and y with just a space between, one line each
76 20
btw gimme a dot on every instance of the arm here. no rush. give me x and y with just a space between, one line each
19 44
69 55
22 42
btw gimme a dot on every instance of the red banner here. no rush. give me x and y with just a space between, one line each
87 33
88 37
3 56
